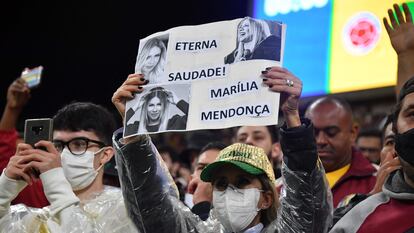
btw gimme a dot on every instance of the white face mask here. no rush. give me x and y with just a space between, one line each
78 169
236 208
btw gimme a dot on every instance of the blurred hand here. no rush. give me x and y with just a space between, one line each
18 94
172 97
41 160
133 84
402 31
202 191
16 165
277 79
388 165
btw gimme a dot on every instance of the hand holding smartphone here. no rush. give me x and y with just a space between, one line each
36 130
32 76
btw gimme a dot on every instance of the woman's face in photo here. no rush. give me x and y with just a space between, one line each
155 108
245 34
152 59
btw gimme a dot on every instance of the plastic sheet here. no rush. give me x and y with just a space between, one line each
103 213
154 206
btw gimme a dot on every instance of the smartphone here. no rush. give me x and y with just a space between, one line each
36 130
32 76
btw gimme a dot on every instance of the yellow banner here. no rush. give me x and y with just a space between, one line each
361 53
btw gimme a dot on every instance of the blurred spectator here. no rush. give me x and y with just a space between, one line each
110 176
389 163
196 140
202 191
265 137
348 171
179 173
18 94
369 142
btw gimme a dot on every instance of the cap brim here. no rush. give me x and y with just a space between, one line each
207 173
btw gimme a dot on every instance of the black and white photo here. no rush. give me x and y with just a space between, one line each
158 109
256 39
152 58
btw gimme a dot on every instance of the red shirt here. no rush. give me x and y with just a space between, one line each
359 178
393 216
32 195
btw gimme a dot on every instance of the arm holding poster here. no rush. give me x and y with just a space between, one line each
302 172
150 193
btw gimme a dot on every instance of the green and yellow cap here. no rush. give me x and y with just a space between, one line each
250 159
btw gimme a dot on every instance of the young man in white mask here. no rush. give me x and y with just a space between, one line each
71 169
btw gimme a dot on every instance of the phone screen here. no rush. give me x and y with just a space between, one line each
32 76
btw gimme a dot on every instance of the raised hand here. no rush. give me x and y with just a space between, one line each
172 97
18 94
133 84
401 33
388 165
401 30
290 87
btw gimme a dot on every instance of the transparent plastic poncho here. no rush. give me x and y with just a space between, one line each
104 213
153 204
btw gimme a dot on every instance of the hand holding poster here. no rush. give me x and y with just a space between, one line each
206 77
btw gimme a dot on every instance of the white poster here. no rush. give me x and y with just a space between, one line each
206 77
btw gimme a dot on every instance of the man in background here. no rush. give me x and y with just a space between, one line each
347 170
369 142
265 137
202 192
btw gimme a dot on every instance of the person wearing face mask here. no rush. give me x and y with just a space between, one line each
71 169
244 196
392 210
380 212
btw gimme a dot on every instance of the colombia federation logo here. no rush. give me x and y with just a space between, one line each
361 33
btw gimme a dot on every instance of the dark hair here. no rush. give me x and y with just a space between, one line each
86 116
269 214
388 120
407 88
213 146
370 133
274 132
167 149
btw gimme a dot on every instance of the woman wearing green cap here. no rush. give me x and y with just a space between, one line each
244 196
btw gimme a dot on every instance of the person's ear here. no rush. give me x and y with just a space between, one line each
276 152
106 155
354 132
267 200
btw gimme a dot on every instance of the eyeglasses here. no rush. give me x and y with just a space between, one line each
77 146
221 183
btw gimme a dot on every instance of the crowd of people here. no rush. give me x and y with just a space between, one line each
318 172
